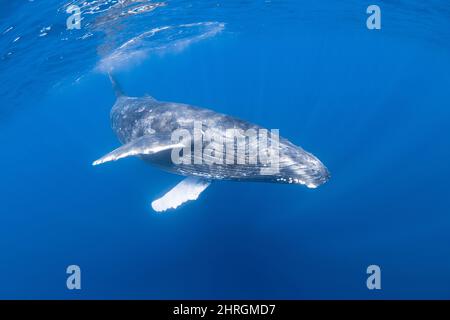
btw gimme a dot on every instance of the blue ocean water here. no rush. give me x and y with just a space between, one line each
373 105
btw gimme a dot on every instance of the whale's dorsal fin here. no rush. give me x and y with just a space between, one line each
188 189
144 145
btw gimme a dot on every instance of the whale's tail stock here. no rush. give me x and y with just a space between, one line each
115 85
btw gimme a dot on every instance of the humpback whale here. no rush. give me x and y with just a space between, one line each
145 127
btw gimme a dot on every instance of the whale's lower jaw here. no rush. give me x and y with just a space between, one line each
290 172
309 178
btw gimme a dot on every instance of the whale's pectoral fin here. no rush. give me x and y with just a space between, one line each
188 189
143 146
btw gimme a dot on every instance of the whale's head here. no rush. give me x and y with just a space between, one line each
301 167
315 173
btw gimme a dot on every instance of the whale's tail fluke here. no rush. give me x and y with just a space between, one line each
116 87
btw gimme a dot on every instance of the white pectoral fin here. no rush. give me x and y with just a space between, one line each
188 189
143 146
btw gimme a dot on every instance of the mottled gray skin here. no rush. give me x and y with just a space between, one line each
135 117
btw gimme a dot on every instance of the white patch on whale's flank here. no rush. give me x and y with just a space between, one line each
158 40
188 189
143 146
